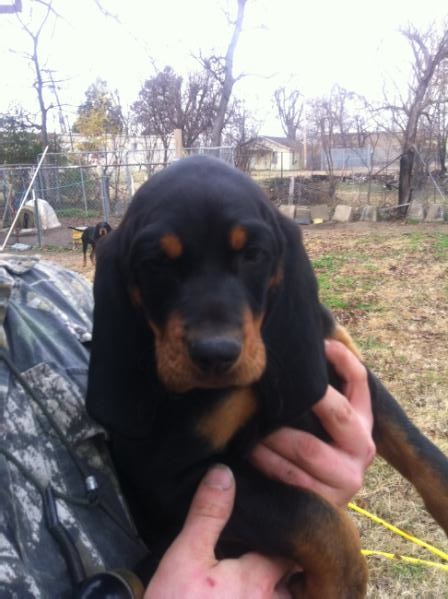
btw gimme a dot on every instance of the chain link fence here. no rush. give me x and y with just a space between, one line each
97 184
226 153
83 188
357 179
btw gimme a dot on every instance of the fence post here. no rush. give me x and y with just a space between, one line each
84 197
105 197
179 147
37 219
129 180
291 190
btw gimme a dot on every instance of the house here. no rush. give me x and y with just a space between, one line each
269 153
350 152
124 149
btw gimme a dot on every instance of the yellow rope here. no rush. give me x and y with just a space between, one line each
405 559
406 536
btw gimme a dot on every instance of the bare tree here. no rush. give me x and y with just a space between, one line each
429 52
168 101
439 115
45 9
199 105
158 106
240 133
221 68
290 105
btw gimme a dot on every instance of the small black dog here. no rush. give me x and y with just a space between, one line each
90 236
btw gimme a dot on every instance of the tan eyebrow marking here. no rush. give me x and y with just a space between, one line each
171 245
238 238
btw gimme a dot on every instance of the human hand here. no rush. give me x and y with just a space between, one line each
335 471
189 569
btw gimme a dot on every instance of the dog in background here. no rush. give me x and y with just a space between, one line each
90 236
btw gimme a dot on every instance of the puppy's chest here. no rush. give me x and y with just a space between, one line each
209 421
224 419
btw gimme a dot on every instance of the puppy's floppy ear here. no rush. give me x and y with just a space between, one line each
123 388
296 375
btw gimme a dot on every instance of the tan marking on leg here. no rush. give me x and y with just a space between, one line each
330 554
220 425
394 447
341 334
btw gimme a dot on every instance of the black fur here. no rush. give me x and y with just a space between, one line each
90 237
210 284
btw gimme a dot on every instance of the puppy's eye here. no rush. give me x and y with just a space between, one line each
253 254
159 260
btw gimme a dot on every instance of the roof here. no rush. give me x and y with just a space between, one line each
281 141
272 142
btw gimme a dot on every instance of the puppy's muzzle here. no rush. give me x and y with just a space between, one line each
216 354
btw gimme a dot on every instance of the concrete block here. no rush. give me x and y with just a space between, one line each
369 213
416 212
20 247
436 214
302 215
288 210
343 214
320 212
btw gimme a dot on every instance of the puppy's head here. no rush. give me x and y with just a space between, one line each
211 284
200 270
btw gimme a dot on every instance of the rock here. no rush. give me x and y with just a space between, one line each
436 214
320 212
343 214
369 213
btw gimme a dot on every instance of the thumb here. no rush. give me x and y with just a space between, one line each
209 511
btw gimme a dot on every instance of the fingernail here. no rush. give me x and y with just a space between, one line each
219 477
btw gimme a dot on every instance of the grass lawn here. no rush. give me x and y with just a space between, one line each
388 284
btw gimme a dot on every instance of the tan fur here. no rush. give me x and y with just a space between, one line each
219 425
393 446
179 374
341 334
319 555
171 245
238 238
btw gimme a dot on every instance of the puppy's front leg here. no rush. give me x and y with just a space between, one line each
278 520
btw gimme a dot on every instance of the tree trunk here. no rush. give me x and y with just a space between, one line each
227 84
442 157
405 180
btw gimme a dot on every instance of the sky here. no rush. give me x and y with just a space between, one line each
311 45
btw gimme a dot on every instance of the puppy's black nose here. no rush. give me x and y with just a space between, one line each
214 354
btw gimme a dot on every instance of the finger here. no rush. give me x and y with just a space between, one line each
354 375
263 573
348 430
209 511
308 462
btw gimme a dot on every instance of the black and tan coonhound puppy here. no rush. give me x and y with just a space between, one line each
208 335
